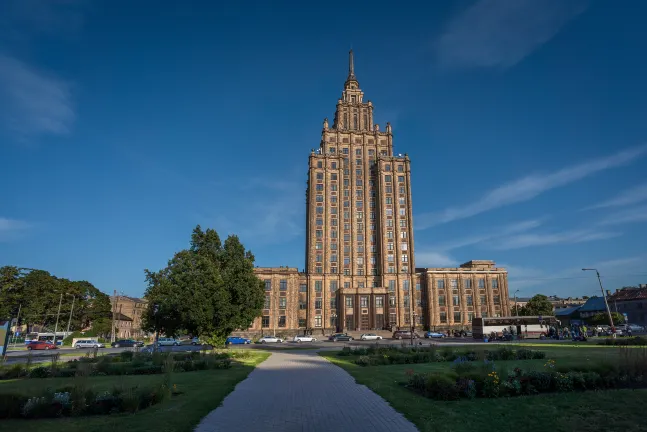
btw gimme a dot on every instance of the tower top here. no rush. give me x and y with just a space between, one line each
351 72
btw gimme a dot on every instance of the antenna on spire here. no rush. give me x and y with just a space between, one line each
351 64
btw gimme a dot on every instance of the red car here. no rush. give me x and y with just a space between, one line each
41 345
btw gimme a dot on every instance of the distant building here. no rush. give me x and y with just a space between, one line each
557 302
593 306
127 312
632 301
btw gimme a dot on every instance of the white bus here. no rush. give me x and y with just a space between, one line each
528 327
37 336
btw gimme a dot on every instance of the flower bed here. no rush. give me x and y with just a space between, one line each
625 341
126 363
380 355
482 379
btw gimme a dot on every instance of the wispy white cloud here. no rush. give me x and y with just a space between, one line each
434 259
274 215
544 239
34 103
494 233
529 187
9 228
631 215
495 33
629 196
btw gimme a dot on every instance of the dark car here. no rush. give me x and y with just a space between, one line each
41 345
404 334
127 343
340 337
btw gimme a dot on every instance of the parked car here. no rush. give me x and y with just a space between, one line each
404 334
370 336
433 335
127 343
270 339
168 342
340 337
304 338
41 345
88 343
236 340
635 328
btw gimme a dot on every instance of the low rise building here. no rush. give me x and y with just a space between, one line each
631 301
127 315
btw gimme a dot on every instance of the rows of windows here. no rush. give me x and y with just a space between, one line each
467 283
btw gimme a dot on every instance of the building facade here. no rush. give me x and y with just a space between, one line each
631 301
127 316
360 269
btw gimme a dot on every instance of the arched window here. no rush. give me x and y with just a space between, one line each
345 125
355 121
366 122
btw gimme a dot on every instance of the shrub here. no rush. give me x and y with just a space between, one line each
126 356
363 361
65 373
441 387
467 387
563 382
542 381
13 372
491 385
40 372
11 405
592 380
633 341
462 365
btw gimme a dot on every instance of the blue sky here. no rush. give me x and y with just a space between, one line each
122 127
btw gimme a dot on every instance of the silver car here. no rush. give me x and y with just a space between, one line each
88 343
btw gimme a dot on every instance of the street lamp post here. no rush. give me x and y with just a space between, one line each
606 304
156 309
516 308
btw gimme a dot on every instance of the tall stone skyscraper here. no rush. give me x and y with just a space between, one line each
359 271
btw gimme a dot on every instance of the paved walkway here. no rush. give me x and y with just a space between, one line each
302 391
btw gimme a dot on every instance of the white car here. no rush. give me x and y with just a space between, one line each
163 341
304 338
270 339
88 343
370 336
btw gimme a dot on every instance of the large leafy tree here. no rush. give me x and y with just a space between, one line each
602 318
209 289
537 305
11 291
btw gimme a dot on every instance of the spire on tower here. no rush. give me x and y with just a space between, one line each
351 72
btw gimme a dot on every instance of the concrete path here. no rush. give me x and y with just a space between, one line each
302 391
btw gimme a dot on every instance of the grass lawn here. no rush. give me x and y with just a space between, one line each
613 410
203 392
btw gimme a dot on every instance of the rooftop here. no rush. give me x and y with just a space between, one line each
593 304
626 294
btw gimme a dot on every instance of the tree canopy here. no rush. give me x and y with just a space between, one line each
36 293
208 290
537 305
603 319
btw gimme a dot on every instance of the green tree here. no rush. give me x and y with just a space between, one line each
603 319
10 291
537 305
208 290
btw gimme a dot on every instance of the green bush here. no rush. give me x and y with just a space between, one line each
14 371
40 372
126 356
542 381
441 387
11 405
632 341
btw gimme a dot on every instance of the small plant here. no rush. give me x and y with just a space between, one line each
491 385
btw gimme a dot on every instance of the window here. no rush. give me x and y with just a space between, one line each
319 198
268 285
440 284
497 300
317 320
481 283
443 317
318 303
456 301
417 286
495 283
403 234
457 317
302 322
391 285
363 301
283 285
405 258
453 283
405 285
268 303
333 286
319 187
265 321
303 305
282 321
441 300
387 178
392 301
318 286
349 301
283 301
467 283
406 300
402 212
470 302
379 301
319 164
333 257
483 300
319 176
333 303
